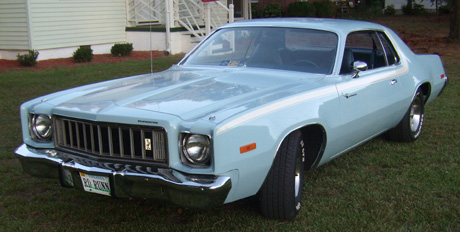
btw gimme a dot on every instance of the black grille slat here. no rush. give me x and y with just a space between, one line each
138 144
93 139
77 136
111 140
131 142
143 143
85 140
71 134
120 142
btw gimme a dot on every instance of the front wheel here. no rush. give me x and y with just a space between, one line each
281 193
410 127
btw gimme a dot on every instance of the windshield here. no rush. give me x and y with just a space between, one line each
293 49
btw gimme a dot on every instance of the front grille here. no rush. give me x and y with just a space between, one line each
111 140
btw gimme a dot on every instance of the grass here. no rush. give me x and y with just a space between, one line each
381 185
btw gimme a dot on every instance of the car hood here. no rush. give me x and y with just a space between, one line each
187 92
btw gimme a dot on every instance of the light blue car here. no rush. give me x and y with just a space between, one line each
245 113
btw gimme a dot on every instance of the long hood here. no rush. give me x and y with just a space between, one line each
189 93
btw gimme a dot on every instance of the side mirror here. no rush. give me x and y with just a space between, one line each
359 66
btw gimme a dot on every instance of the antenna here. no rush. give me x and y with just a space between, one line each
150 42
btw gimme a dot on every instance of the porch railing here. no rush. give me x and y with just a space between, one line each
197 17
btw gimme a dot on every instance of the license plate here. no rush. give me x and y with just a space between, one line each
95 184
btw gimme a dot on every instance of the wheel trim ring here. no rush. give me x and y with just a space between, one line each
415 115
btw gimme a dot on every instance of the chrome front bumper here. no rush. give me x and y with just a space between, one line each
127 181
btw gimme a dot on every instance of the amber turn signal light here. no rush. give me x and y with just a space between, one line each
247 148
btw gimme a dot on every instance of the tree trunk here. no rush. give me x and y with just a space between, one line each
410 6
454 20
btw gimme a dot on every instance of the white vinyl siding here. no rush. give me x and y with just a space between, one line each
66 23
14 33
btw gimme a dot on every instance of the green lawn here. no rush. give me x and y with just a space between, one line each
381 185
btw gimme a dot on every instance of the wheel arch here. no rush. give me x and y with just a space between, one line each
315 139
426 90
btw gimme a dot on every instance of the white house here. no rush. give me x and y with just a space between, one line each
56 28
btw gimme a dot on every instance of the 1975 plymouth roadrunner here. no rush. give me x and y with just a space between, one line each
245 112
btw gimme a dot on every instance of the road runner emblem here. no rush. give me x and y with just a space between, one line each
148 144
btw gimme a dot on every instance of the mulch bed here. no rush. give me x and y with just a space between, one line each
69 62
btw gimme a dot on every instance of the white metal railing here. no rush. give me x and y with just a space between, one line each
145 12
191 14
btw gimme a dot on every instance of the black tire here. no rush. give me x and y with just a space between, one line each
281 193
410 127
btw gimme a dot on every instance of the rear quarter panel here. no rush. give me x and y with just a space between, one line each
435 73
423 68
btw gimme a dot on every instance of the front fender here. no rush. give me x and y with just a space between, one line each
267 127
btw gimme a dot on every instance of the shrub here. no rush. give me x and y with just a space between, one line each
390 10
376 8
416 9
325 9
301 9
272 10
122 49
29 59
255 11
83 54
444 10
419 9
406 9
296 9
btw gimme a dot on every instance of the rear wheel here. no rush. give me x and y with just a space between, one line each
281 193
410 127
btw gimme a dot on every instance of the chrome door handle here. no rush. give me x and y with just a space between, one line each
394 81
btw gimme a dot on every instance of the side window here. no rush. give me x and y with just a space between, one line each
360 40
390 51
365 46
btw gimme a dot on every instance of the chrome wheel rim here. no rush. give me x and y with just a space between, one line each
297 177
415 114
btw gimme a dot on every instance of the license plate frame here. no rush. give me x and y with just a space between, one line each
96 184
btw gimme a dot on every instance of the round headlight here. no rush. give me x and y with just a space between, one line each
41 126
196 149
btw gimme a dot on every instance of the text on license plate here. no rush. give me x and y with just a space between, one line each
95 184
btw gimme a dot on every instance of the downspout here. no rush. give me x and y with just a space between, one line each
250 9
168 26
231 13
207 17
245 9
29 25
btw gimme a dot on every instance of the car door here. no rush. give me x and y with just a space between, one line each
369 102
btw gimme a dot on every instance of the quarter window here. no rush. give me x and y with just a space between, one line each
390 51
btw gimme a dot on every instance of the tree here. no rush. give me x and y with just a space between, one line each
409 6
454 20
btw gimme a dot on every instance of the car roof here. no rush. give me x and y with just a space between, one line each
340 26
